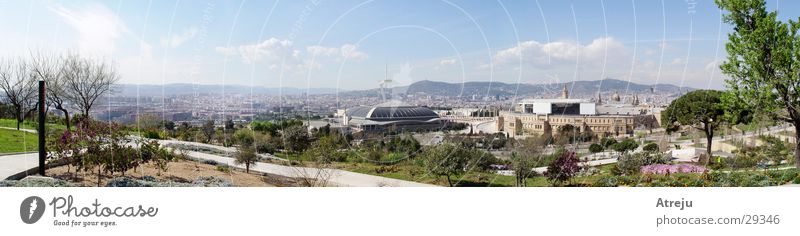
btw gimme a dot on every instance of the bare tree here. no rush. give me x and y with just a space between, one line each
50 68
18 85
85 80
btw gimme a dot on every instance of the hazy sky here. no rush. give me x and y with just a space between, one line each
348 44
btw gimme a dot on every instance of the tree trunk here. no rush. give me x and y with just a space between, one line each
66 116
449 182
98 176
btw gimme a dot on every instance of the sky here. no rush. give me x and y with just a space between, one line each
355 44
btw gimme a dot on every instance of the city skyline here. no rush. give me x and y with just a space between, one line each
352 45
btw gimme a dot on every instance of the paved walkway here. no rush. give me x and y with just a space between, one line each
23 130
336 177
13 165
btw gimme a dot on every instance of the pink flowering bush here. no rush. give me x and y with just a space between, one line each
675 168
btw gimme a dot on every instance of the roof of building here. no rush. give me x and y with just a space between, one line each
554 100
392 111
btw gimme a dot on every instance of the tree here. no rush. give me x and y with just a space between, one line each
607 142
295 138
50 69
445 160
595 148
18 84
700 109
625 145
763 61
246 156
564 168
229 125
244 137
85 80
325 150
208 130
523 165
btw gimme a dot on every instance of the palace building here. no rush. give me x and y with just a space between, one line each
532 116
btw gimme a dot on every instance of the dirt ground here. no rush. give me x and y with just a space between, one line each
180 171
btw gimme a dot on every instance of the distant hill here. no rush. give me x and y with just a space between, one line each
578 88
425 87
180 89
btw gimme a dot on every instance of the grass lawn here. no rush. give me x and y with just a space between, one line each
11 123
410 172
17 141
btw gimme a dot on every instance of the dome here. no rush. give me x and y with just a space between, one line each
381 112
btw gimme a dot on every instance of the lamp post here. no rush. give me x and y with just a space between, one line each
42 151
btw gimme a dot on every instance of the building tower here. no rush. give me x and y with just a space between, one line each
615 97
599 99
565 92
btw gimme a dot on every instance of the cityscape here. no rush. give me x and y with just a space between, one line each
381 103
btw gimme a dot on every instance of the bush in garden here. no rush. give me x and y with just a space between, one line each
563 169
650 147
632 163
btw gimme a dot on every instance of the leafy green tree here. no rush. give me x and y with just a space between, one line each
700 109
625 145
595 148
523 165
295 138
244 137
762 64
246 156
650 147
607 142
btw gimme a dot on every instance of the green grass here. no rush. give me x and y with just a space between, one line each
11 123
17 141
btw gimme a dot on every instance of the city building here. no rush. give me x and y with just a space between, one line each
391 116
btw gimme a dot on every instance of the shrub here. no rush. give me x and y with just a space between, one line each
563 168
224 168
211 181
152 134
631 164
650 147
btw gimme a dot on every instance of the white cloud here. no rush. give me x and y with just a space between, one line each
273 52
447 62
350 51
97 26
276 53
176 40
346 51
322 51
543 54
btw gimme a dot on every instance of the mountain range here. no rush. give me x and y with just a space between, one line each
426 87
